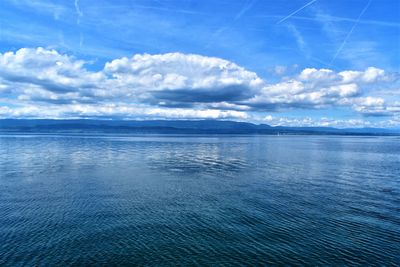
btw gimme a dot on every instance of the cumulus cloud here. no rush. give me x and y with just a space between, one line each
121 111
177 78
38 72
45 83
322 88
280 70
312 122
328 122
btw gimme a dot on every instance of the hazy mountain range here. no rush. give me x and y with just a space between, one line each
172 127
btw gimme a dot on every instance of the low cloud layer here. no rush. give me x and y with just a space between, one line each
42 83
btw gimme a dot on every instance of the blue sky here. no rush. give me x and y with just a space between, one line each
297 62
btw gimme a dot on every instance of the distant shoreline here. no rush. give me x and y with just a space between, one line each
174 127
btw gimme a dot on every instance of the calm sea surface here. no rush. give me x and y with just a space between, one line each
199 200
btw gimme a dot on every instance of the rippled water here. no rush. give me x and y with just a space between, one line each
199 200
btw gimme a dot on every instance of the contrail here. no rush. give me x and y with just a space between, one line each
336 19
80 40
78 10
244 10
351 31
184 11
296 11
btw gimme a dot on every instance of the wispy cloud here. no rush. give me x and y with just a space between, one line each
165 9
78 11
81 39
57 10
301 43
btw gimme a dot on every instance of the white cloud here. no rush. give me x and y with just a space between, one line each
322 88
280 70
48 70
176 77
375 106
320 122
45 83
116 111
370 75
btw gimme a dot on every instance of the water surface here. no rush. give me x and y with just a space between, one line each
199 200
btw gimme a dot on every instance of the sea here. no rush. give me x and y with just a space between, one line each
199 200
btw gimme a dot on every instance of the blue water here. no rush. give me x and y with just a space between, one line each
199 200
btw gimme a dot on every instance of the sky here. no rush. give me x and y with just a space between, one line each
280 62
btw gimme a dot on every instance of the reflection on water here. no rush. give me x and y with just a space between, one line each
224 200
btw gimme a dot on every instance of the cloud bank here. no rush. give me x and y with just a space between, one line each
43 83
